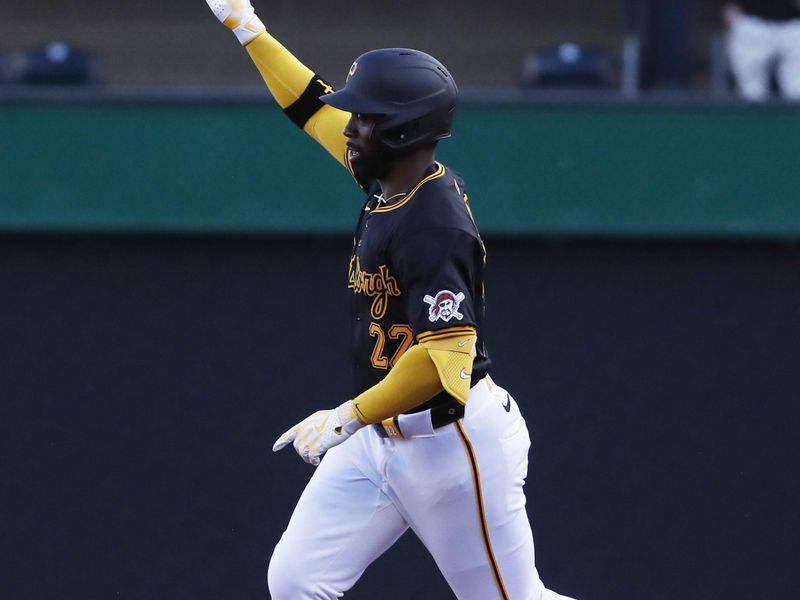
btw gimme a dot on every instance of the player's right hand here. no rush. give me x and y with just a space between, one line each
239 16
315 435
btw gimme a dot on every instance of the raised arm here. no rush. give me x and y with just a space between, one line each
294 86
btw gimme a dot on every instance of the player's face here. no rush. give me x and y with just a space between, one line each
368 159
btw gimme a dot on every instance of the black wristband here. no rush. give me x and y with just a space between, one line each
302 109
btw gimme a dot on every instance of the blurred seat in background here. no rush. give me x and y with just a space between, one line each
568 66
53 63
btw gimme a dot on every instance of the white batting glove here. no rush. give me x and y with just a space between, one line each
239 16
315 435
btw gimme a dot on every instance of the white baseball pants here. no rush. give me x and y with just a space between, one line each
753 45
459 489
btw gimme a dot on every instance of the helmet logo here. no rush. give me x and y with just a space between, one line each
352 70
444 306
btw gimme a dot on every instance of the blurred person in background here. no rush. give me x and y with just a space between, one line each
762 35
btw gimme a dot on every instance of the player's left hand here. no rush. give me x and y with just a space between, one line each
315 435
239 17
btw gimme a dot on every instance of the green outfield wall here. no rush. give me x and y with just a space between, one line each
238 166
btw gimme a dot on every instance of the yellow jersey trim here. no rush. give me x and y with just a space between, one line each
427 336
440 170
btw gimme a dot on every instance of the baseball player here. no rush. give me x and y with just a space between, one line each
428 440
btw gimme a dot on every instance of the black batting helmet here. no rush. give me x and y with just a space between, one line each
413 92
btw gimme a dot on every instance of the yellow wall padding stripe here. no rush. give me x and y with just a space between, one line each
436 174
473 461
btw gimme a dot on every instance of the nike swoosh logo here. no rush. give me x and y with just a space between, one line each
462 344
464 374
319 428
507 405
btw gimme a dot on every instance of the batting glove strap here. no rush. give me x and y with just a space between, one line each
320 432
239 16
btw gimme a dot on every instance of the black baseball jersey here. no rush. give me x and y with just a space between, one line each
417 268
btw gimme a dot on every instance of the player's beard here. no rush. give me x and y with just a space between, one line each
372 163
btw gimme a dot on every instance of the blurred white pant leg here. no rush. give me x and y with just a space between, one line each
751 47
342 523
789 65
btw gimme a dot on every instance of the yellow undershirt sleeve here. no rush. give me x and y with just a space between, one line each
413 381
453 358
290 81
421 373
285 76
326 126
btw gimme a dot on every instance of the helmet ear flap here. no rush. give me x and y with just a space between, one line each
422 131
399 136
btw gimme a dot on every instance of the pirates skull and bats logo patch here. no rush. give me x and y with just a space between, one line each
444 306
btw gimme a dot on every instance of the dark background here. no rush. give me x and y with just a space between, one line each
144 380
